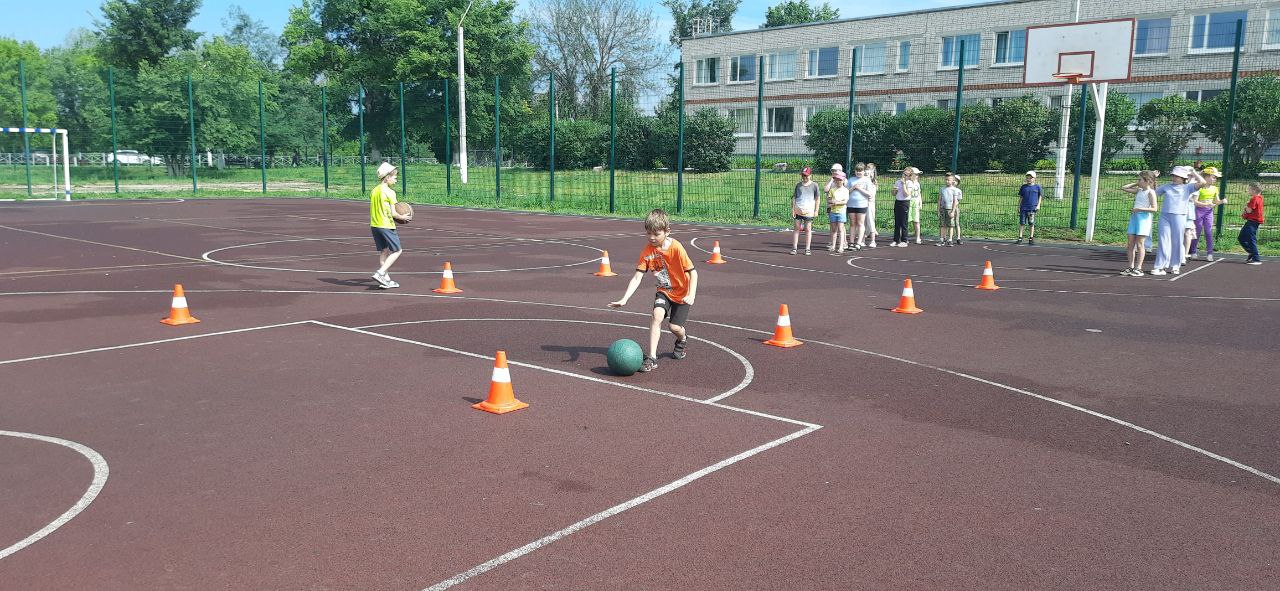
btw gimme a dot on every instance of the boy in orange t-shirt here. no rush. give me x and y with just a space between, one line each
677 285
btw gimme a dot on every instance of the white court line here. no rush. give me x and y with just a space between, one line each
176 256
144 344
100 473
610 512
1181 275
748 370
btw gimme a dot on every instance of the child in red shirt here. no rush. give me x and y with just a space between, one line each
1252 219
677 285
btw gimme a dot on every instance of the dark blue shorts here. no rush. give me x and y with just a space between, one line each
386 239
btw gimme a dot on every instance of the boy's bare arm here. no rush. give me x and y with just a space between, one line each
693 287
631 289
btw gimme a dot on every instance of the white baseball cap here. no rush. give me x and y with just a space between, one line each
837 166
1182 171
385 169
1031 173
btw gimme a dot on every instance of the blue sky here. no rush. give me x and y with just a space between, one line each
47 22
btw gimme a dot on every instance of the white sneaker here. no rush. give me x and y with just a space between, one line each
872 245
1127 272
1209 258
382 279
1157 272
902 245
1137 273
1175 270
918 241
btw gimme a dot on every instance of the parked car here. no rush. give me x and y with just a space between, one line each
133 157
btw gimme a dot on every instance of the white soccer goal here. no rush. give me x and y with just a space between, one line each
53 155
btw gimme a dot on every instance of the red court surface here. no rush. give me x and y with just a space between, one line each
1075 429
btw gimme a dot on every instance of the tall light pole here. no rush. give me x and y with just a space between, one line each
462 103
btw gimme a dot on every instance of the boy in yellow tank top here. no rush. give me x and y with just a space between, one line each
382 223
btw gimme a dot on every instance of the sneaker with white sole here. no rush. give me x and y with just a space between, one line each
1137 273
1253 262
383 279
902 245
1158 272
872 244
918 241
649 364
1175 270
1209 258
1127 272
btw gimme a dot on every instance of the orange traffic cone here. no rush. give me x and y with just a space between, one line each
988 279
907 304
604 271
782 334
446 281
501 398
178 313
715 255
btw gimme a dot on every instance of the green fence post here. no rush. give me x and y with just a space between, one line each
360 108
551 116
1075 184
680 148
404 146
324 139
497 140
115 147
262 138
755 200
191 120
955 142
26 140
853 93
1231 123
448 144
613 131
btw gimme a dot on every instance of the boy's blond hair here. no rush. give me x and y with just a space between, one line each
657 221
859 168
1149 176
1255 188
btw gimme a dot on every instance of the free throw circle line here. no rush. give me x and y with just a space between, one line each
100 473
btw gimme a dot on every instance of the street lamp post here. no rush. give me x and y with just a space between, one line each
462 104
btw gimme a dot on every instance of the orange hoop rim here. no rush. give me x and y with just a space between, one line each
1071 77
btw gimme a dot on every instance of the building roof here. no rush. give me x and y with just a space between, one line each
861 18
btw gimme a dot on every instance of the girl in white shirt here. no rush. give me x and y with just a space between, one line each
905 190
1144 208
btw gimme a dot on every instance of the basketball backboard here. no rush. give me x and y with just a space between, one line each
1095 51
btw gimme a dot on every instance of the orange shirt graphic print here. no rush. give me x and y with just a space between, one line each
670 266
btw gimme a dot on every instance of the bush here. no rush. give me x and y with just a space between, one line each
1120 112
708 141
1165 129
1020 131
873 136
580 143
1257 122
924 136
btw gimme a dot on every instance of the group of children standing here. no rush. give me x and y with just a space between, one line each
851 201
1185 206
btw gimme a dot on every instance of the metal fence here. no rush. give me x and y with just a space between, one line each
724 143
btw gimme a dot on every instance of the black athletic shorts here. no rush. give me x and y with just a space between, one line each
677 314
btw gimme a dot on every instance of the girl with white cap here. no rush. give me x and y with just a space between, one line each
1177 197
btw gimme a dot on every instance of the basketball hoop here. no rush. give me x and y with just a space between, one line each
1073 78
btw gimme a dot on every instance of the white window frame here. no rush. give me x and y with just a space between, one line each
699 68
1267 41
814 55
866 108
1200 93
809 111
1167 42
898 58
752 117
733 68
1208 21
995 49
954 36
768 121
899 108
771 62
860 67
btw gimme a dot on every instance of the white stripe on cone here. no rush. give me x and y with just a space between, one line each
604 260
784 321
909 292
179 302
448 273
716 249
502 375
987 272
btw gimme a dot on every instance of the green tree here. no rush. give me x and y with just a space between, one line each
1257 122
41 106
1018 132
924 137
1165 127
798 12
137 32
717 16
252 34
1121 111
872 138
708 141
976 144
79 84
378 43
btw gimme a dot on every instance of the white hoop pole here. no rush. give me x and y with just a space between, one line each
1099 91
66 167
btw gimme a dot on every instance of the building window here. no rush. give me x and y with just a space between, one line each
904 56
809 112
870 58
995 101
1215 31
780 66
951 51
1142 98
950 104
1201 96
742 68
744 121
780 119
899 108
708 71
823 61
868 108
1011 47
1152 37
1273 28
